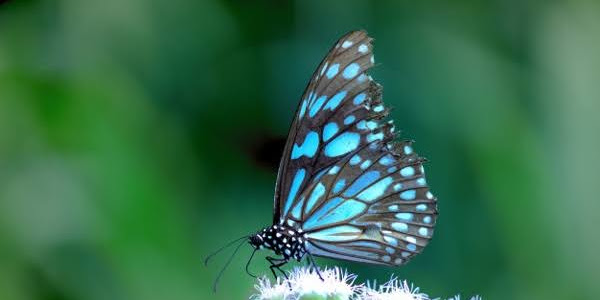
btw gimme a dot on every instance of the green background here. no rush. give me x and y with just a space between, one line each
136 136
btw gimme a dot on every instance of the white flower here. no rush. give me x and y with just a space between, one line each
457 297
268 291
304 283
336 284
393 290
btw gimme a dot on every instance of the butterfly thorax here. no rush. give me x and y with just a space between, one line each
283 240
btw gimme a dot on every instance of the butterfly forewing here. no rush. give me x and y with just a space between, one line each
326 109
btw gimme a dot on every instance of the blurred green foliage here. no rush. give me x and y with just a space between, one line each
125 129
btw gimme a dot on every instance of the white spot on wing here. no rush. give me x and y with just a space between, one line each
363 48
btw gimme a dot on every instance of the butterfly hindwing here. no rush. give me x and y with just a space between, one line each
376 207
332 102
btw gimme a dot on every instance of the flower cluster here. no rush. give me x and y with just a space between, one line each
303 284
394 289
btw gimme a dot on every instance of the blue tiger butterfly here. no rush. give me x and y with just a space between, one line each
345 189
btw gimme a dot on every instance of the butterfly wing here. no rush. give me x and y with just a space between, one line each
358 195
331 104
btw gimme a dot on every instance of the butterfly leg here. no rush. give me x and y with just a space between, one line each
276 263
311 261
248 264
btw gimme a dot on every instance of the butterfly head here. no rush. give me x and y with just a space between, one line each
256 241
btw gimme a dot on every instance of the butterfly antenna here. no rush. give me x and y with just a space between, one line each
225 266
248 264
223 248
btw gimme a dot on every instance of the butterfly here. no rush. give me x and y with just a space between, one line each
345 189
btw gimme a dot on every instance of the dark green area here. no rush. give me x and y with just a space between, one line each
133 133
